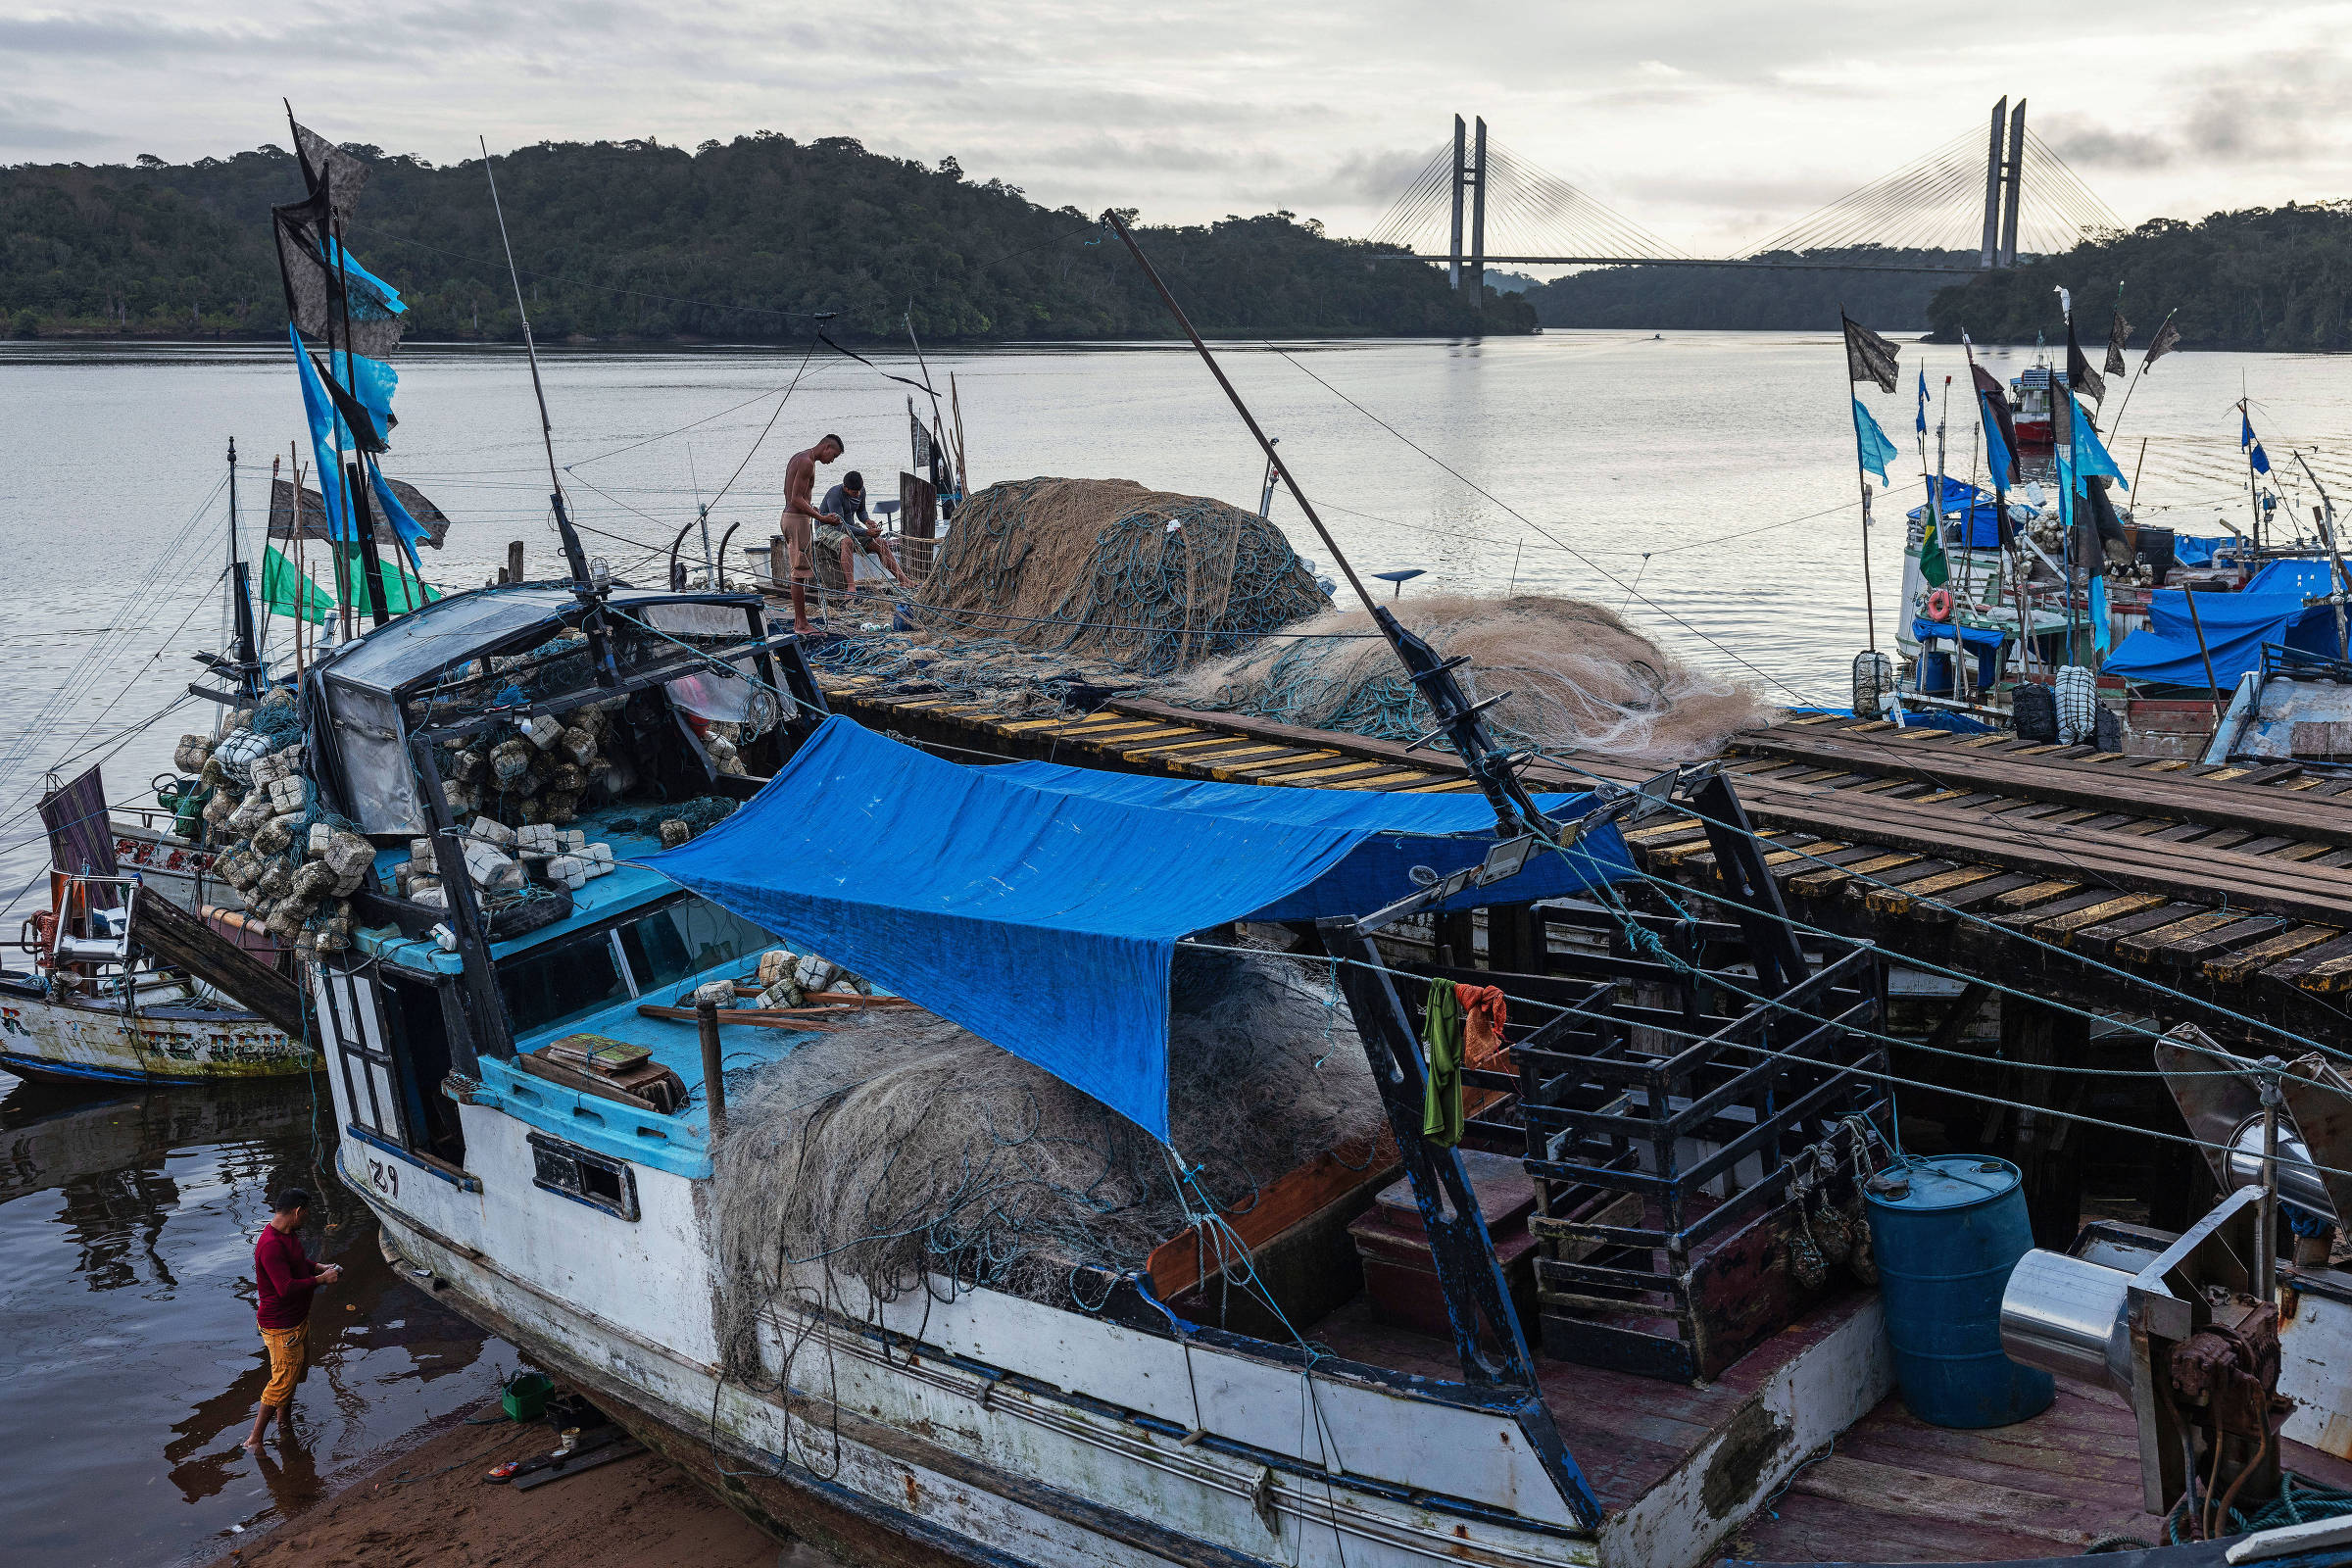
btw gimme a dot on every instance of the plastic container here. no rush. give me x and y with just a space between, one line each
1946 1231
524 1397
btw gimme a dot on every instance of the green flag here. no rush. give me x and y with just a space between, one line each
404 590
288 592
1932 565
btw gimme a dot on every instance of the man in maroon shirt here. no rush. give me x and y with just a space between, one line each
286 1280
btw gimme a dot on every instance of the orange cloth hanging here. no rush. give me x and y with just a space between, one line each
1484 1013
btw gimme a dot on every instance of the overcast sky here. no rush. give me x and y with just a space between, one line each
1710 125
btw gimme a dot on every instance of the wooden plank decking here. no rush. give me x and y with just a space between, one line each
1982 853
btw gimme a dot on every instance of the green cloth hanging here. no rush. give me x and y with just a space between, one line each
1441 1044
289 592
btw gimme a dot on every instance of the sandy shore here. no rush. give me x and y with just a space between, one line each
430 1505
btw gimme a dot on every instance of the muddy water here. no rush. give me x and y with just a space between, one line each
127 1227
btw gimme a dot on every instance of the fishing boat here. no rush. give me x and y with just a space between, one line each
1031 1164
1402 1349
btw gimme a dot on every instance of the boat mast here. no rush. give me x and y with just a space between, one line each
590 595
1460 721
240 589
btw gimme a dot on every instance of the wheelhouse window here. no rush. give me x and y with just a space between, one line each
566 980
687 938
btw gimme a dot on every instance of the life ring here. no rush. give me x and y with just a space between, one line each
1939 604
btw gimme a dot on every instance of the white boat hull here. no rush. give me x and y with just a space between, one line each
98 1042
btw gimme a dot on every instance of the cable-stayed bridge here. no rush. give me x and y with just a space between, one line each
1997 192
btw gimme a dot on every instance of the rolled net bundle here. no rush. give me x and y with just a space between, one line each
1107 570
1578 678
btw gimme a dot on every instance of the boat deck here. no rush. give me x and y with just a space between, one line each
1892 1489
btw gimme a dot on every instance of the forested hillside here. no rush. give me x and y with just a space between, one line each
1783 298
2262 279
632 240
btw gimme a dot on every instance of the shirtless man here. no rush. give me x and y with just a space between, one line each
801 518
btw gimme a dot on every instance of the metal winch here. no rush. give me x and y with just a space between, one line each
2187 1327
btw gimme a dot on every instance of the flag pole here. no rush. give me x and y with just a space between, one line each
2125 407
1870 613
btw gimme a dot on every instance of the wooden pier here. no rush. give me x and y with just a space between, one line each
2230 885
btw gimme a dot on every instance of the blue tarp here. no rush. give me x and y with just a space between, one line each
2196 549
1983 511
1444 832
2236 625
2304 578
1043 917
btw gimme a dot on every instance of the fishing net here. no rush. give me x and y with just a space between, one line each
1578 678
904 1151
994 671
1107 570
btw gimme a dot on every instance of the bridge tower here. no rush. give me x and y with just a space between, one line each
2014 174
2004 186
1469 173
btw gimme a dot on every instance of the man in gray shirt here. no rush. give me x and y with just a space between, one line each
855 530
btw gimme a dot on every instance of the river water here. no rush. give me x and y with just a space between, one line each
1703 483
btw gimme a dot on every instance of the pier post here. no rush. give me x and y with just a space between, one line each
515 560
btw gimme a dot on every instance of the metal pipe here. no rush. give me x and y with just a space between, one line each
2069 1317
2297 1175
2266 1237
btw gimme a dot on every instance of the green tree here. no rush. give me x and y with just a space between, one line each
748 240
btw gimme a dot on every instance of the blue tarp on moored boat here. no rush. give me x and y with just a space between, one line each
1982 512
2235 625
1043 914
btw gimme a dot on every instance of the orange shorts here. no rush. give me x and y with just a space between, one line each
290 1358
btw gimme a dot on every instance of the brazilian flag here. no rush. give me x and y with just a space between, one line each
1931 562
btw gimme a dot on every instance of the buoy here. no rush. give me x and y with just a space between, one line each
1939 604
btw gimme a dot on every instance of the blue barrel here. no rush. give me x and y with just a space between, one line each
1946 1231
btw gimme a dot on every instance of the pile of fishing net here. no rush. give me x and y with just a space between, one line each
1107 570
901 1151
1580 679
1011 681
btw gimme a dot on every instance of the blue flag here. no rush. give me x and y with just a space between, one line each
1921 420
2091 456
403 526
1870 445
2252 448
2102 620
1997 450
324 427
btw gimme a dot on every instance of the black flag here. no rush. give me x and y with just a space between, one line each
2117 335
1867 356
1997 398
2079 376
2168 338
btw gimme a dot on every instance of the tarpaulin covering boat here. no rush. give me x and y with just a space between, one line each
956 878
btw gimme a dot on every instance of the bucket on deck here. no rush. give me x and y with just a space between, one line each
1946 1231
524 1397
